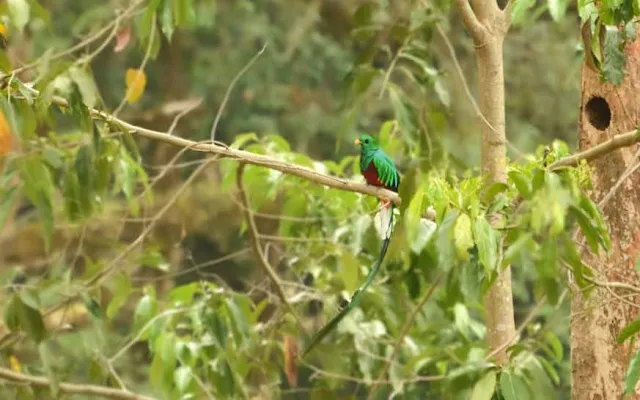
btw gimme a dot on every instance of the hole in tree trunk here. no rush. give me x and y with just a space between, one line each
598 112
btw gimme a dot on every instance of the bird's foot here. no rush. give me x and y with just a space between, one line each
385 202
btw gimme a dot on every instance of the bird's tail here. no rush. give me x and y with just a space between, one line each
355 299
385 220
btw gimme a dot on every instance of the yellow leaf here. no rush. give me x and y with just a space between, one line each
136 82
15 364
5 135
290 355
3 30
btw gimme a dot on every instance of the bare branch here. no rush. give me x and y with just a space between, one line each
467 89
244 69
71 388
248 157
616 142
257 249
477 31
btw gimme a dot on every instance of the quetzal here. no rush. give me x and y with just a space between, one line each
379 170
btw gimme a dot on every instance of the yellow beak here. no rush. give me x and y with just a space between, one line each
357 141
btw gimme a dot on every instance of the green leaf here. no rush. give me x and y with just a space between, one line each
555 344
494 190
183 295
588 228
485 387
462 319
514 249
84 166
145 310
166 19
86 85
414 213
183 378
520 9
633 374
184 12
513 387
48 362
557 9
486 240
216 325
93 307
425 231
553 374
144 28
19 12
628 331
7 200
349 271
521 182
462 236
12 313
25 316
363 14
121 292
613 65
53 156
38 186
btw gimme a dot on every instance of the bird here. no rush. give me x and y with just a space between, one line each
379 170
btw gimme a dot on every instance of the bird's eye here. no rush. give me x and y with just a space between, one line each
366 141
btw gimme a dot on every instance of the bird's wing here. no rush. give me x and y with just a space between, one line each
387 172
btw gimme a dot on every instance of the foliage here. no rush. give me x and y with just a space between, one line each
161 330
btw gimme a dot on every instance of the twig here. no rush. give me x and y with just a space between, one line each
182 113
71 388
244 69
465 85
255 243
627 173
146 326
404 332
615 143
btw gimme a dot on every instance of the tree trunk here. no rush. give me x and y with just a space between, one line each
599 363
488 26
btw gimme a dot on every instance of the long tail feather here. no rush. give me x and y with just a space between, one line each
355 299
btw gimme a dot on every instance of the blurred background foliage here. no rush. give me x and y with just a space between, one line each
330 69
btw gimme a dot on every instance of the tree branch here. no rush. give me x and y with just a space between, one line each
245 156
477 31
71 388
616 142
255 243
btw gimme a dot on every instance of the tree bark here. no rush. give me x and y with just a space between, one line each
599 363
488 26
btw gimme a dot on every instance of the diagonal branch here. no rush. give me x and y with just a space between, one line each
615 143
255 243
70 388
245 156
